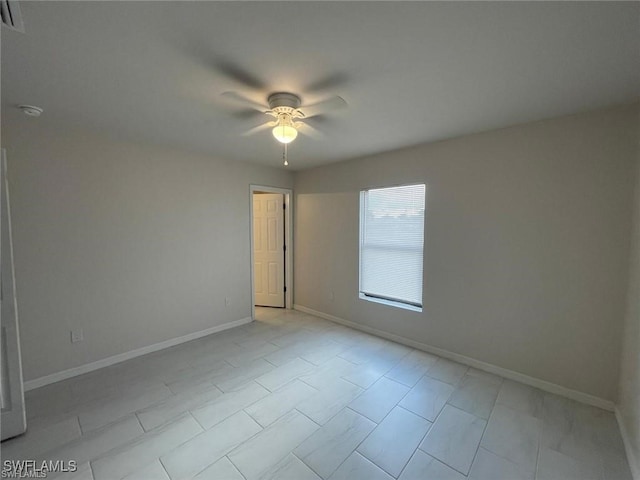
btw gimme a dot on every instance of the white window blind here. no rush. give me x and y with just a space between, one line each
391 243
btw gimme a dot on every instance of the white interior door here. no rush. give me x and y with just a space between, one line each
11 391
268 249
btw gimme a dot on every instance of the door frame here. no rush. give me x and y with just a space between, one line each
288 241
14 420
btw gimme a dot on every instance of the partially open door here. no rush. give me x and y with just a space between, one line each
11 390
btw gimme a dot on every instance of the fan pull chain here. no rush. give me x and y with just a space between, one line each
285 154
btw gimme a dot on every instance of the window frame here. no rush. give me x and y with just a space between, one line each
381 299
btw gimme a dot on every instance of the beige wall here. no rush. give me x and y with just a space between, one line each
629 396
526 245
133 244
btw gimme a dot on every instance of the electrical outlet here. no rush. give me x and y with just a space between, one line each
227 301
331 296
77 336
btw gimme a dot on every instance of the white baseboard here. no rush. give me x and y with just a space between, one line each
472 362
632 455
121 357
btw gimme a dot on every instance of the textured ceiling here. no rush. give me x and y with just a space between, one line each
412 72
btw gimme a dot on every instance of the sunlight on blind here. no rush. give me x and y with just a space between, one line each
391 243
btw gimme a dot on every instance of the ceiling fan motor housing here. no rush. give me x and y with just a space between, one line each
283 99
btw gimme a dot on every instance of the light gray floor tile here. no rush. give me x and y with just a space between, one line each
211 413
599 425
323 353
454 438
106 411
423 466
475 395
83 472
284 355
363 352
563 437
357 467
223 469
412 367
522 398
326 374
377 401
170 375
554 465
174 406
559 413
152 471
573 443
250 354
283 400
97 442
329 401
382 446
140 385
237 378
565 430
128 458
280 376
217 353
328 447
254 340
489 466
447 371
489 377
344 336
513 435
49 400
201 381
257 456
427 398
291 468
208 447
292 338
367 374
39 440
395 352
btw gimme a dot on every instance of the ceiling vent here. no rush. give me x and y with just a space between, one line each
11 16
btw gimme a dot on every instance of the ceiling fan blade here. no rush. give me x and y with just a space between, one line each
237 97
238 74
319 119
247 114
323 106
308 130
259 128
327 83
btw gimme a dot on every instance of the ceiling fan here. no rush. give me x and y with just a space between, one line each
289 116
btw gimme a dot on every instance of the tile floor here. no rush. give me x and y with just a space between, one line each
294 397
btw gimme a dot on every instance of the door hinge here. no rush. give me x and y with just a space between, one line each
284 248
285 289
284 206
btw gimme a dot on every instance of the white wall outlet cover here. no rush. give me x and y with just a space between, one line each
77 335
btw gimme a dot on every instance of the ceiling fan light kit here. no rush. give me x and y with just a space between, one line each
284 106
285 133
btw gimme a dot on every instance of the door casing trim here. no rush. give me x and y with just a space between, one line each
288 239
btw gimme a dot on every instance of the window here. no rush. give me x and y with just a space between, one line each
391 245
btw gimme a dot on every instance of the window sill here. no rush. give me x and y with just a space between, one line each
390 303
